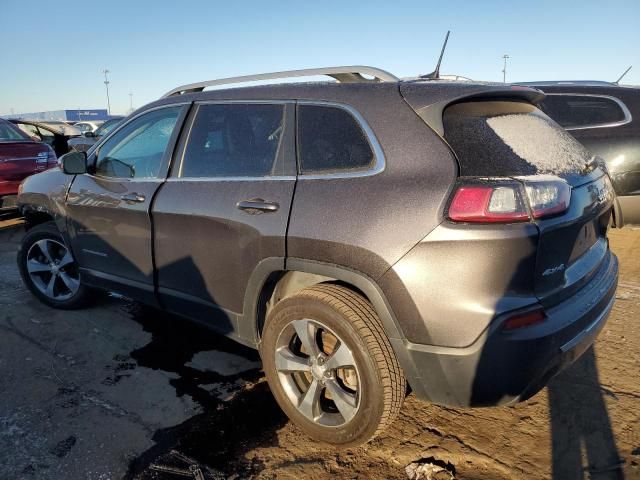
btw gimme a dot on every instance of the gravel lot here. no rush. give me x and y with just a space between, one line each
111 391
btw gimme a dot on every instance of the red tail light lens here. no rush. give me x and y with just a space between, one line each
522 320
503 200
487 203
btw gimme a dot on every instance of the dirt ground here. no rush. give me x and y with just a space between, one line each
111 391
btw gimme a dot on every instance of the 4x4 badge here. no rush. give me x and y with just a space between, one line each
551 271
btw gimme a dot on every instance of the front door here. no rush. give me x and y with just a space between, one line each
224 208
108 208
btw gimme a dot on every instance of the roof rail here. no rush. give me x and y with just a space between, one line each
348 74
582 83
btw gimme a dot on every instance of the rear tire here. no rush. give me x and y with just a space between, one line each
49 270
350 387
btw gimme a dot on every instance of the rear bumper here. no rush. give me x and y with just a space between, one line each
502 368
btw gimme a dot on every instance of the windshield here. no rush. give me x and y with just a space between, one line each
8 133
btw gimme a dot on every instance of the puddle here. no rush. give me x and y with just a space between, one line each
238 412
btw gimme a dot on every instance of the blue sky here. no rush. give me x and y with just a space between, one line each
53 51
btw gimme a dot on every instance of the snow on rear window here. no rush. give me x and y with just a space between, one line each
507 138
545 146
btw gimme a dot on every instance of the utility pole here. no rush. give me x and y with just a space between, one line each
130 102
106 84
504 68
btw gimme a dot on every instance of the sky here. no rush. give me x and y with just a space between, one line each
53 52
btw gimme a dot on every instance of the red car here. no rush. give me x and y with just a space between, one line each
20 156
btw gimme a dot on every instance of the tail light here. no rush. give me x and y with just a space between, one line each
548 197
506 201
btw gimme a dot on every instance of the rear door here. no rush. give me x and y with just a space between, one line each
225 208
108 209
515 139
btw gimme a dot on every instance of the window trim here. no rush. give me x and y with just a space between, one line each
379 163
93 152
627 114
176 174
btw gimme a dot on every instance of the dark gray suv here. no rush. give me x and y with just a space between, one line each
370 236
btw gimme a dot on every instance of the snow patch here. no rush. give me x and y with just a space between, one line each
526 134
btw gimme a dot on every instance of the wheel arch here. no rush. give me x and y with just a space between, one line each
302 273
273 280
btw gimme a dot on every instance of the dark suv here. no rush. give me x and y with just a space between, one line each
367 236
604 117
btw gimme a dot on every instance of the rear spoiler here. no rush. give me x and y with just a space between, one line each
429 99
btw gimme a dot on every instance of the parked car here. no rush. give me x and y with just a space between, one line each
50 133
363 235
88 126
83 143
605 117
20 156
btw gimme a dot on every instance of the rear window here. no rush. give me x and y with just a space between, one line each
507 138
584 111
330 140
8 133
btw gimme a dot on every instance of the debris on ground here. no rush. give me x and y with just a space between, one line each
430 469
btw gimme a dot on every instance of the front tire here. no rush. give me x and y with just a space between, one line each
49 270
330 365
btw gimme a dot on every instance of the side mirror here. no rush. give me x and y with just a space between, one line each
89 134
74 163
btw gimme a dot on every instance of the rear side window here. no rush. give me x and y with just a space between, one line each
584 111
330 140
9 133
229 140
509 138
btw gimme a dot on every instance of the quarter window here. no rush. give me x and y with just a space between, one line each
136 150
229 140
331 140
583 111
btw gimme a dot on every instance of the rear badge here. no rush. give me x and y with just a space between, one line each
551 271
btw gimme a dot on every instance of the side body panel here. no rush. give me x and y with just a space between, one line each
368 221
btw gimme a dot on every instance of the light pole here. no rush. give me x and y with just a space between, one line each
106 84
504 69
130 102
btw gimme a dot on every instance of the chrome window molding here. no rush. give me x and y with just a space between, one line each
231 178
379 161
627 114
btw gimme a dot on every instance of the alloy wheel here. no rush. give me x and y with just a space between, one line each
52 269
318 373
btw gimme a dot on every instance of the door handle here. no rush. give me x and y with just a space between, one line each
133 198
256 206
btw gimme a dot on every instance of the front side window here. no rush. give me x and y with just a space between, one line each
331 140
136 150
233 140
106 127
583 111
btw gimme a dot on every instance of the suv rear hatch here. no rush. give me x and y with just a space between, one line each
507 139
